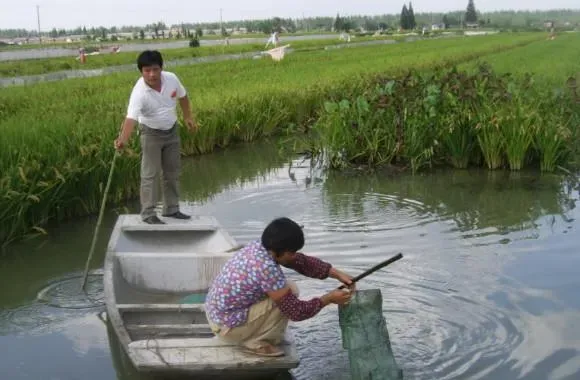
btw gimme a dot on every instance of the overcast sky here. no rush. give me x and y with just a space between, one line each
73 13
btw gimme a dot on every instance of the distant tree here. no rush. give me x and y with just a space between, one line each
277 24
411 17
338 23
347 25
141 34
370 24
194 42
405 17
445 22
266 27
471 13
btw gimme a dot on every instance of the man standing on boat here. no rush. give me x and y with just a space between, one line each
152 105
250 301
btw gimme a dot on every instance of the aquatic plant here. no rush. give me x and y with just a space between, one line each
450 116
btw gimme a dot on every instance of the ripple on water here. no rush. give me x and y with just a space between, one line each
59 300
66 293
435 332
362 232
374 212
442 321
38 319
440 326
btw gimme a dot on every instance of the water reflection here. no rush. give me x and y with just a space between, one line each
479 203
205 176
487 288
59 345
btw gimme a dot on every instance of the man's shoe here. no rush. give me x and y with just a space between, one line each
153 219
177 215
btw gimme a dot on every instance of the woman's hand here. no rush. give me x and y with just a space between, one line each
338 297
343 277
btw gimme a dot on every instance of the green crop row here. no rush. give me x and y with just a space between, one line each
56 147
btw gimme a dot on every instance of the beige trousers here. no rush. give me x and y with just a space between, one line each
161 159
265 323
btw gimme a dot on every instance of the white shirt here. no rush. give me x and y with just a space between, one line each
156 109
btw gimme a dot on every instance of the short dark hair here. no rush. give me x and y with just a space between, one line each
149 58
282 235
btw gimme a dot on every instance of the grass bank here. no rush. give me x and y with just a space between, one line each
57 137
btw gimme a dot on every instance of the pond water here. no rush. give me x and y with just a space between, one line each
487 288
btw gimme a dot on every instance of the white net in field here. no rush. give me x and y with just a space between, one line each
278 53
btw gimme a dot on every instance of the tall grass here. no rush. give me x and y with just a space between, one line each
56 143
552 63
449 117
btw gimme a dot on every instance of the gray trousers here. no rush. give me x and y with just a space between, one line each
160 158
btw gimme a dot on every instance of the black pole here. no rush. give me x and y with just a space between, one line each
375 268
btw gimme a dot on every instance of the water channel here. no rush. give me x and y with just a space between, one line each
488 287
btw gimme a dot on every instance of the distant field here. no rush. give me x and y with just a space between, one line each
552 60
76 44
47 65
57 137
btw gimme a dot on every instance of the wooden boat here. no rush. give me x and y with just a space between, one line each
153 275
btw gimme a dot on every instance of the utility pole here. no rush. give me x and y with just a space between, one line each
38 20
221 22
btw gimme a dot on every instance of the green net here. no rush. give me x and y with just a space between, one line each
365 336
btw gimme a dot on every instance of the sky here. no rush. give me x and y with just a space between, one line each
93 13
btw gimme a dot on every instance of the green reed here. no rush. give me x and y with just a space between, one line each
451 116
